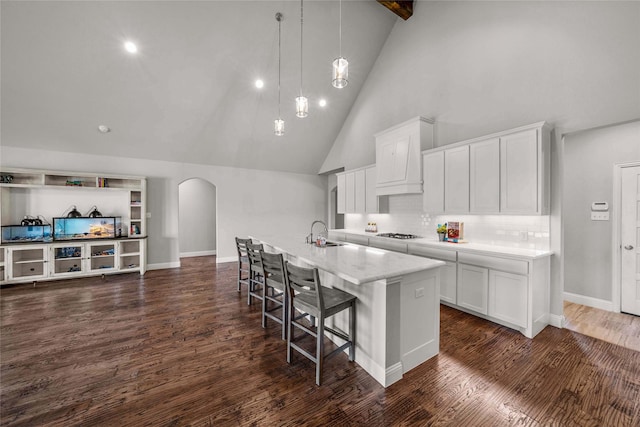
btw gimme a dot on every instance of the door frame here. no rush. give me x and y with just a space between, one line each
616 240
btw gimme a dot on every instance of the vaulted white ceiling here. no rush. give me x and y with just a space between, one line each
189 94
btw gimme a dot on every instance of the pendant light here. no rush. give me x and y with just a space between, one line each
340 64
279 123
302 104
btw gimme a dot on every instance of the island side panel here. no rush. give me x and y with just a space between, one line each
371 323
420 318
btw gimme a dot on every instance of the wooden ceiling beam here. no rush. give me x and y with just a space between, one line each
404 9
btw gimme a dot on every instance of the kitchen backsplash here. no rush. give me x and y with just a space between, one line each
406 216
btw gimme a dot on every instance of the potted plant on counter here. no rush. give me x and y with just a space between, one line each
442 232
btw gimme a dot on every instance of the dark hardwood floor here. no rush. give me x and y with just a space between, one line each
181 347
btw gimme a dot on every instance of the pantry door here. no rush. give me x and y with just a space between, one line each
630 240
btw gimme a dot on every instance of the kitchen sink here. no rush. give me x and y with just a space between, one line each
329 244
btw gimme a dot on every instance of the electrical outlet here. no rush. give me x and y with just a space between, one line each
419 292
599 216
524 236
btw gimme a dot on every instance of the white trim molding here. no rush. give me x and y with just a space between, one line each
198 253
616 237
163 265
589 301
222 260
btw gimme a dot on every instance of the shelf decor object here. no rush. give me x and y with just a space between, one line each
279 123
340 64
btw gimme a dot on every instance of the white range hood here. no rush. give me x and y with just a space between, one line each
399 156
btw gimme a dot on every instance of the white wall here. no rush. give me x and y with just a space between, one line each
588 177
197 217
483 67
249 201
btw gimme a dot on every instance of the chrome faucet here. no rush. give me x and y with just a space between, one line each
326 231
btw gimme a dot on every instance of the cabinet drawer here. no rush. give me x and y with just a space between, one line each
357 239
495 263
389 244
441 254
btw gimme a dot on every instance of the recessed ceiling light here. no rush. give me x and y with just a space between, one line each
259 84
104 129
322 102
130 47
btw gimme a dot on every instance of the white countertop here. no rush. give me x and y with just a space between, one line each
481 248
354 263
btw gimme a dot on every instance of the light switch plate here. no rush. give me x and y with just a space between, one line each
599 216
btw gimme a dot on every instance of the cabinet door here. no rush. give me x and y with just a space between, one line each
519 173
28 262
359 191
484 176
473 287
68 259
351 192
3 274
433 177
456 180
342 196
508 297
448 279
371 198
102 256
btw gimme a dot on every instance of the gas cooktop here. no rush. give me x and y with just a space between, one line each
398 235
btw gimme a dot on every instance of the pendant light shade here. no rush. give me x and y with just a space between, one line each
278 127
340 64
278 124
302 107
302 104
340 73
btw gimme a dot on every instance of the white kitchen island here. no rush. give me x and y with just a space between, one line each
398 308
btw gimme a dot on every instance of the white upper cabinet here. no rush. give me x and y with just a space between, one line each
357 192
456 180
506 172
360 190
519 169
484 176
371 197
398 158
351 192
433 176
342 193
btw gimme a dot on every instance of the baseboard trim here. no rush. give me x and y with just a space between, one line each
163 265
556 320
221 260
588 301
197 253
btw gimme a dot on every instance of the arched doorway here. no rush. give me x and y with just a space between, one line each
197 218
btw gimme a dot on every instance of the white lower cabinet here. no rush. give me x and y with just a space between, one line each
3 270
23 263
473 287
132 255
508 297
448 272
27 262
68 259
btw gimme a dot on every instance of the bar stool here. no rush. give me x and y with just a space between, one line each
305 294
256 274
274 296
243 261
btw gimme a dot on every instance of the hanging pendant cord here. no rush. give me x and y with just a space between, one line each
340 33
279 49
301 19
